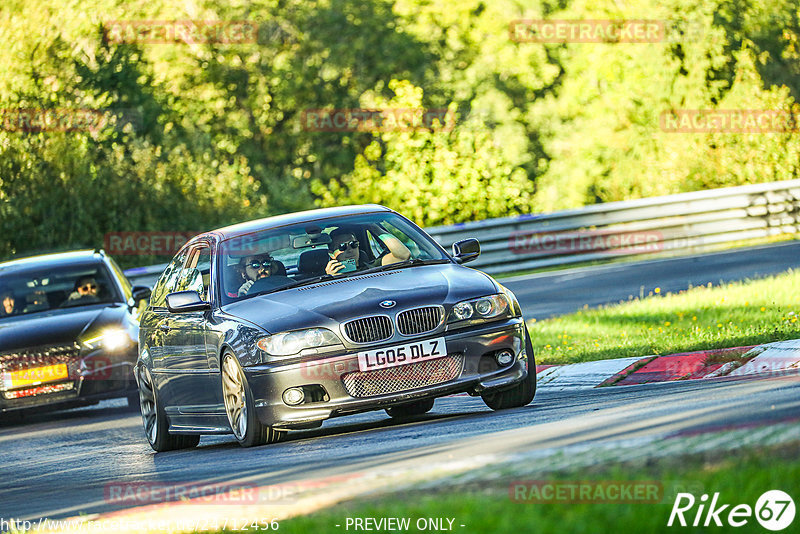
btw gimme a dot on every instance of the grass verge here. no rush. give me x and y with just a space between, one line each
736 314
740 478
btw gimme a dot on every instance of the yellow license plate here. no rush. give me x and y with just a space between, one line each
35 375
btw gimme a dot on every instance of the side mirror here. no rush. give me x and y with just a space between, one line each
186 301
140 293
466 250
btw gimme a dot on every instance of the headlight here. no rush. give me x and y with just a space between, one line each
516 310
481 308
288 343
110 339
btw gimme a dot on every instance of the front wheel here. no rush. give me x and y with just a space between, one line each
240 408
520 395
156 427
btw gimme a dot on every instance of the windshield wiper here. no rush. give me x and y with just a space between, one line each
297 283
410 263
306 282
327 277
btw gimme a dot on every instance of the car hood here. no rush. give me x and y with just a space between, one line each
346 298
55 327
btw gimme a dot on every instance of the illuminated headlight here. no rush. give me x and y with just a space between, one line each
110 339
288 343
482 308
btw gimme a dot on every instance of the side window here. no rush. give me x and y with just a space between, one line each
196 275
407 241
376 247
168 280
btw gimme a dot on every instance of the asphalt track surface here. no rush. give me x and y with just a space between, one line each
60 465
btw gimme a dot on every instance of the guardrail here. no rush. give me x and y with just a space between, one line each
677 224
650 227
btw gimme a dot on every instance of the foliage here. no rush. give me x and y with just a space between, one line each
217 133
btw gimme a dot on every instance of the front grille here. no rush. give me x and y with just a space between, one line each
419 320
369 329
403 377
39 357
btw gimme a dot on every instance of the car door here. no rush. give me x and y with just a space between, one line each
156 322
192 386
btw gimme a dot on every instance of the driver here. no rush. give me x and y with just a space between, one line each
346 254
86 287
255 267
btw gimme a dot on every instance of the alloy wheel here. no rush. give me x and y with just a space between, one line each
147 405
233 391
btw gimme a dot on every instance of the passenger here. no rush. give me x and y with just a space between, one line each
86 287
7 304
346 255
253 268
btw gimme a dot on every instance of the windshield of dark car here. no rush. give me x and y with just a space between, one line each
45 288
300 253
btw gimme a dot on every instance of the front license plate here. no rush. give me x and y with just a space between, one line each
35 375
370 360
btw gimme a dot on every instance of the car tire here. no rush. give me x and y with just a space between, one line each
410 410
520 395
154 419
240 407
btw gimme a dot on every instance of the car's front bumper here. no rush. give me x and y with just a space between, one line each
475 346
93 376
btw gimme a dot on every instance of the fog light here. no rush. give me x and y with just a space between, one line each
504 357
293 396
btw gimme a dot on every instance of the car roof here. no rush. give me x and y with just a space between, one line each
291 218
60 259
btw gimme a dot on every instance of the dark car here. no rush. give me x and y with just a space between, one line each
282 323
68 332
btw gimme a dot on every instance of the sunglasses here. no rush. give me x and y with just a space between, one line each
88 287
258 264
343 246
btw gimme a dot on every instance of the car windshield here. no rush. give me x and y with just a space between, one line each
45 288
276 259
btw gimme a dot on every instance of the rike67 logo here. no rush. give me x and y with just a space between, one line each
774 510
